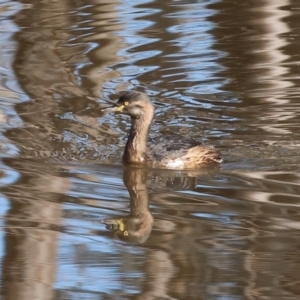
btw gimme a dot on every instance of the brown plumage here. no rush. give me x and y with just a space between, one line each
184 153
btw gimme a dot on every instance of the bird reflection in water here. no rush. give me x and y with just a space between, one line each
137 226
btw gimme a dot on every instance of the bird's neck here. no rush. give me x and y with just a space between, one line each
137 141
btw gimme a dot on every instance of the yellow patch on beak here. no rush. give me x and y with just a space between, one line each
114 108
120 108
121 225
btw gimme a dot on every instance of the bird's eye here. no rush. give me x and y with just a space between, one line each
126 103
126 233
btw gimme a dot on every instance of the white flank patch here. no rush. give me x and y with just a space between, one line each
175 164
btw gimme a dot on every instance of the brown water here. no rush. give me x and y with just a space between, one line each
225 72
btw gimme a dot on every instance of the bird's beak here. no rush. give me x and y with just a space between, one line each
114 108
113 223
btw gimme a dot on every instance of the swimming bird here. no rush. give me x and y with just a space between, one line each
173 153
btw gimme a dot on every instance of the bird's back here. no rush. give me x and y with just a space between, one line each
176 152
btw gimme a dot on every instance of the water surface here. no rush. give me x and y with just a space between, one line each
76 224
